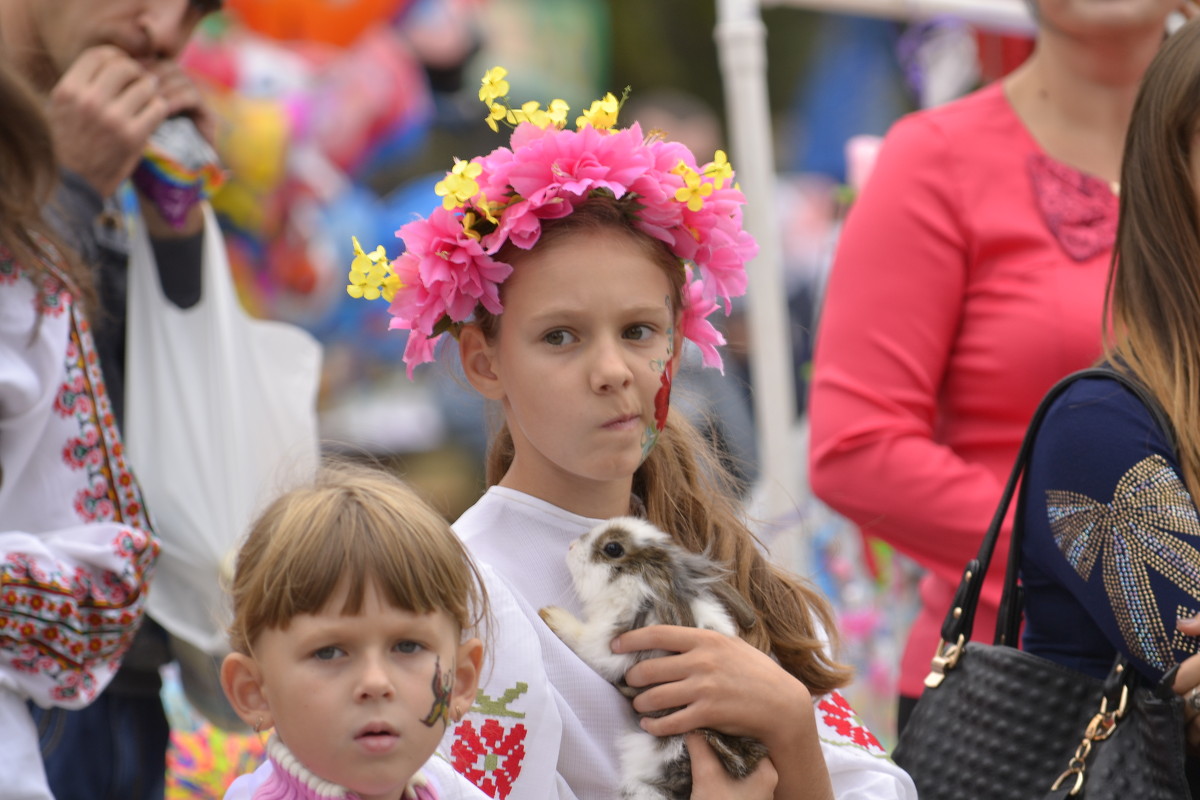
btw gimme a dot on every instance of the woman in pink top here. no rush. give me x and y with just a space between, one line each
969 277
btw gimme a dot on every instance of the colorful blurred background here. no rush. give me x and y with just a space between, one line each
339 115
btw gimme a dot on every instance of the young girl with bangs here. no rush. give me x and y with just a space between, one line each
352 606
571 267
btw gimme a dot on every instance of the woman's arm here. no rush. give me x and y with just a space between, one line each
1111 558
889 321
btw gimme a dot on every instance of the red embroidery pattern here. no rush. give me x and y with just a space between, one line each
839 716
112 493
66 622
9 271
490 757
52 297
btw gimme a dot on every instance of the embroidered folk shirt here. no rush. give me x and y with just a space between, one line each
76 545
545 725
75 539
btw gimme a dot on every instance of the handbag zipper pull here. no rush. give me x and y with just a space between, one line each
1099 728
945 658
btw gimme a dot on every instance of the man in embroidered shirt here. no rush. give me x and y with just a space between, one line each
110 76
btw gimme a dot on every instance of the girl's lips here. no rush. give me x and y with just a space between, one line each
623 422
377 742
377 739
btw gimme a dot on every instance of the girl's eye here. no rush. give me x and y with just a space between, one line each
639 332
559 338
408 647
327 653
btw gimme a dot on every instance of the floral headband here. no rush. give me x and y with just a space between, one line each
447 269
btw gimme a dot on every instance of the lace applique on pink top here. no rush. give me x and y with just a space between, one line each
1079 209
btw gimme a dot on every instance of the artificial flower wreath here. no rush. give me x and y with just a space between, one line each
448 268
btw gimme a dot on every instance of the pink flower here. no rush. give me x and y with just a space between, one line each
721 260
444 272
572 163
695 325
446 275
418 349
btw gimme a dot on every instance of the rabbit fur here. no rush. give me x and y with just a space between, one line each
629 574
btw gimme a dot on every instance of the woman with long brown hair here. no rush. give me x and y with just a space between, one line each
76 547
968 279
1111 557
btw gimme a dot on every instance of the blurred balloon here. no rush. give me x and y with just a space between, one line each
303 123
337 22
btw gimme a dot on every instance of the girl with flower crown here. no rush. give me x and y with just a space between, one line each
571 266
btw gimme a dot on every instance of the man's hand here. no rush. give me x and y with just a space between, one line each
101 114
179 92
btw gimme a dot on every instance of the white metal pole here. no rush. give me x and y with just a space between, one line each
1011 16
741 44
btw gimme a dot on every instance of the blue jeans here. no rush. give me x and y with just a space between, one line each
114 749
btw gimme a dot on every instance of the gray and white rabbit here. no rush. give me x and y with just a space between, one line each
629 574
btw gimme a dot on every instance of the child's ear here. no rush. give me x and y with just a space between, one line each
242 681
478 361
466 677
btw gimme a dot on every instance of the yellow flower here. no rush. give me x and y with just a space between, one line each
720 170
493 85
531 111
489 209
602 115
468 223
495 111
558 112
391 285
693 191
370 270
459 186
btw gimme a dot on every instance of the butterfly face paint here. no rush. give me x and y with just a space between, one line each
443 687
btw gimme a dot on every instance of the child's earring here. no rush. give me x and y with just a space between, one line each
258 723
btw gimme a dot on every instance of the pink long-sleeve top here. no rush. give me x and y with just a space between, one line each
969 277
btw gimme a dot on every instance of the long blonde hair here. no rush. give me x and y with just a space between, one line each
1152 324
688 492
353 526
28 175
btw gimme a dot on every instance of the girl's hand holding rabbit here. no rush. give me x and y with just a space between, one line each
725 683
710 781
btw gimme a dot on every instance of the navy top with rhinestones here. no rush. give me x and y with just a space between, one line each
1112 537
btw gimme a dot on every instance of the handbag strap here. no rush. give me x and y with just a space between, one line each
960 618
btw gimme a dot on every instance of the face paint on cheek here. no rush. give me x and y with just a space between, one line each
443 687
662 399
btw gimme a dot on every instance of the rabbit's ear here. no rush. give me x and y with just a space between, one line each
741 610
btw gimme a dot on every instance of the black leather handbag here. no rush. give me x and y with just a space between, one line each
996 723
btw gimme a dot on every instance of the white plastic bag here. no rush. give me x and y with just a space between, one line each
220 417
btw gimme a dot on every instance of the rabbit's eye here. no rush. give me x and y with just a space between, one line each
613 550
